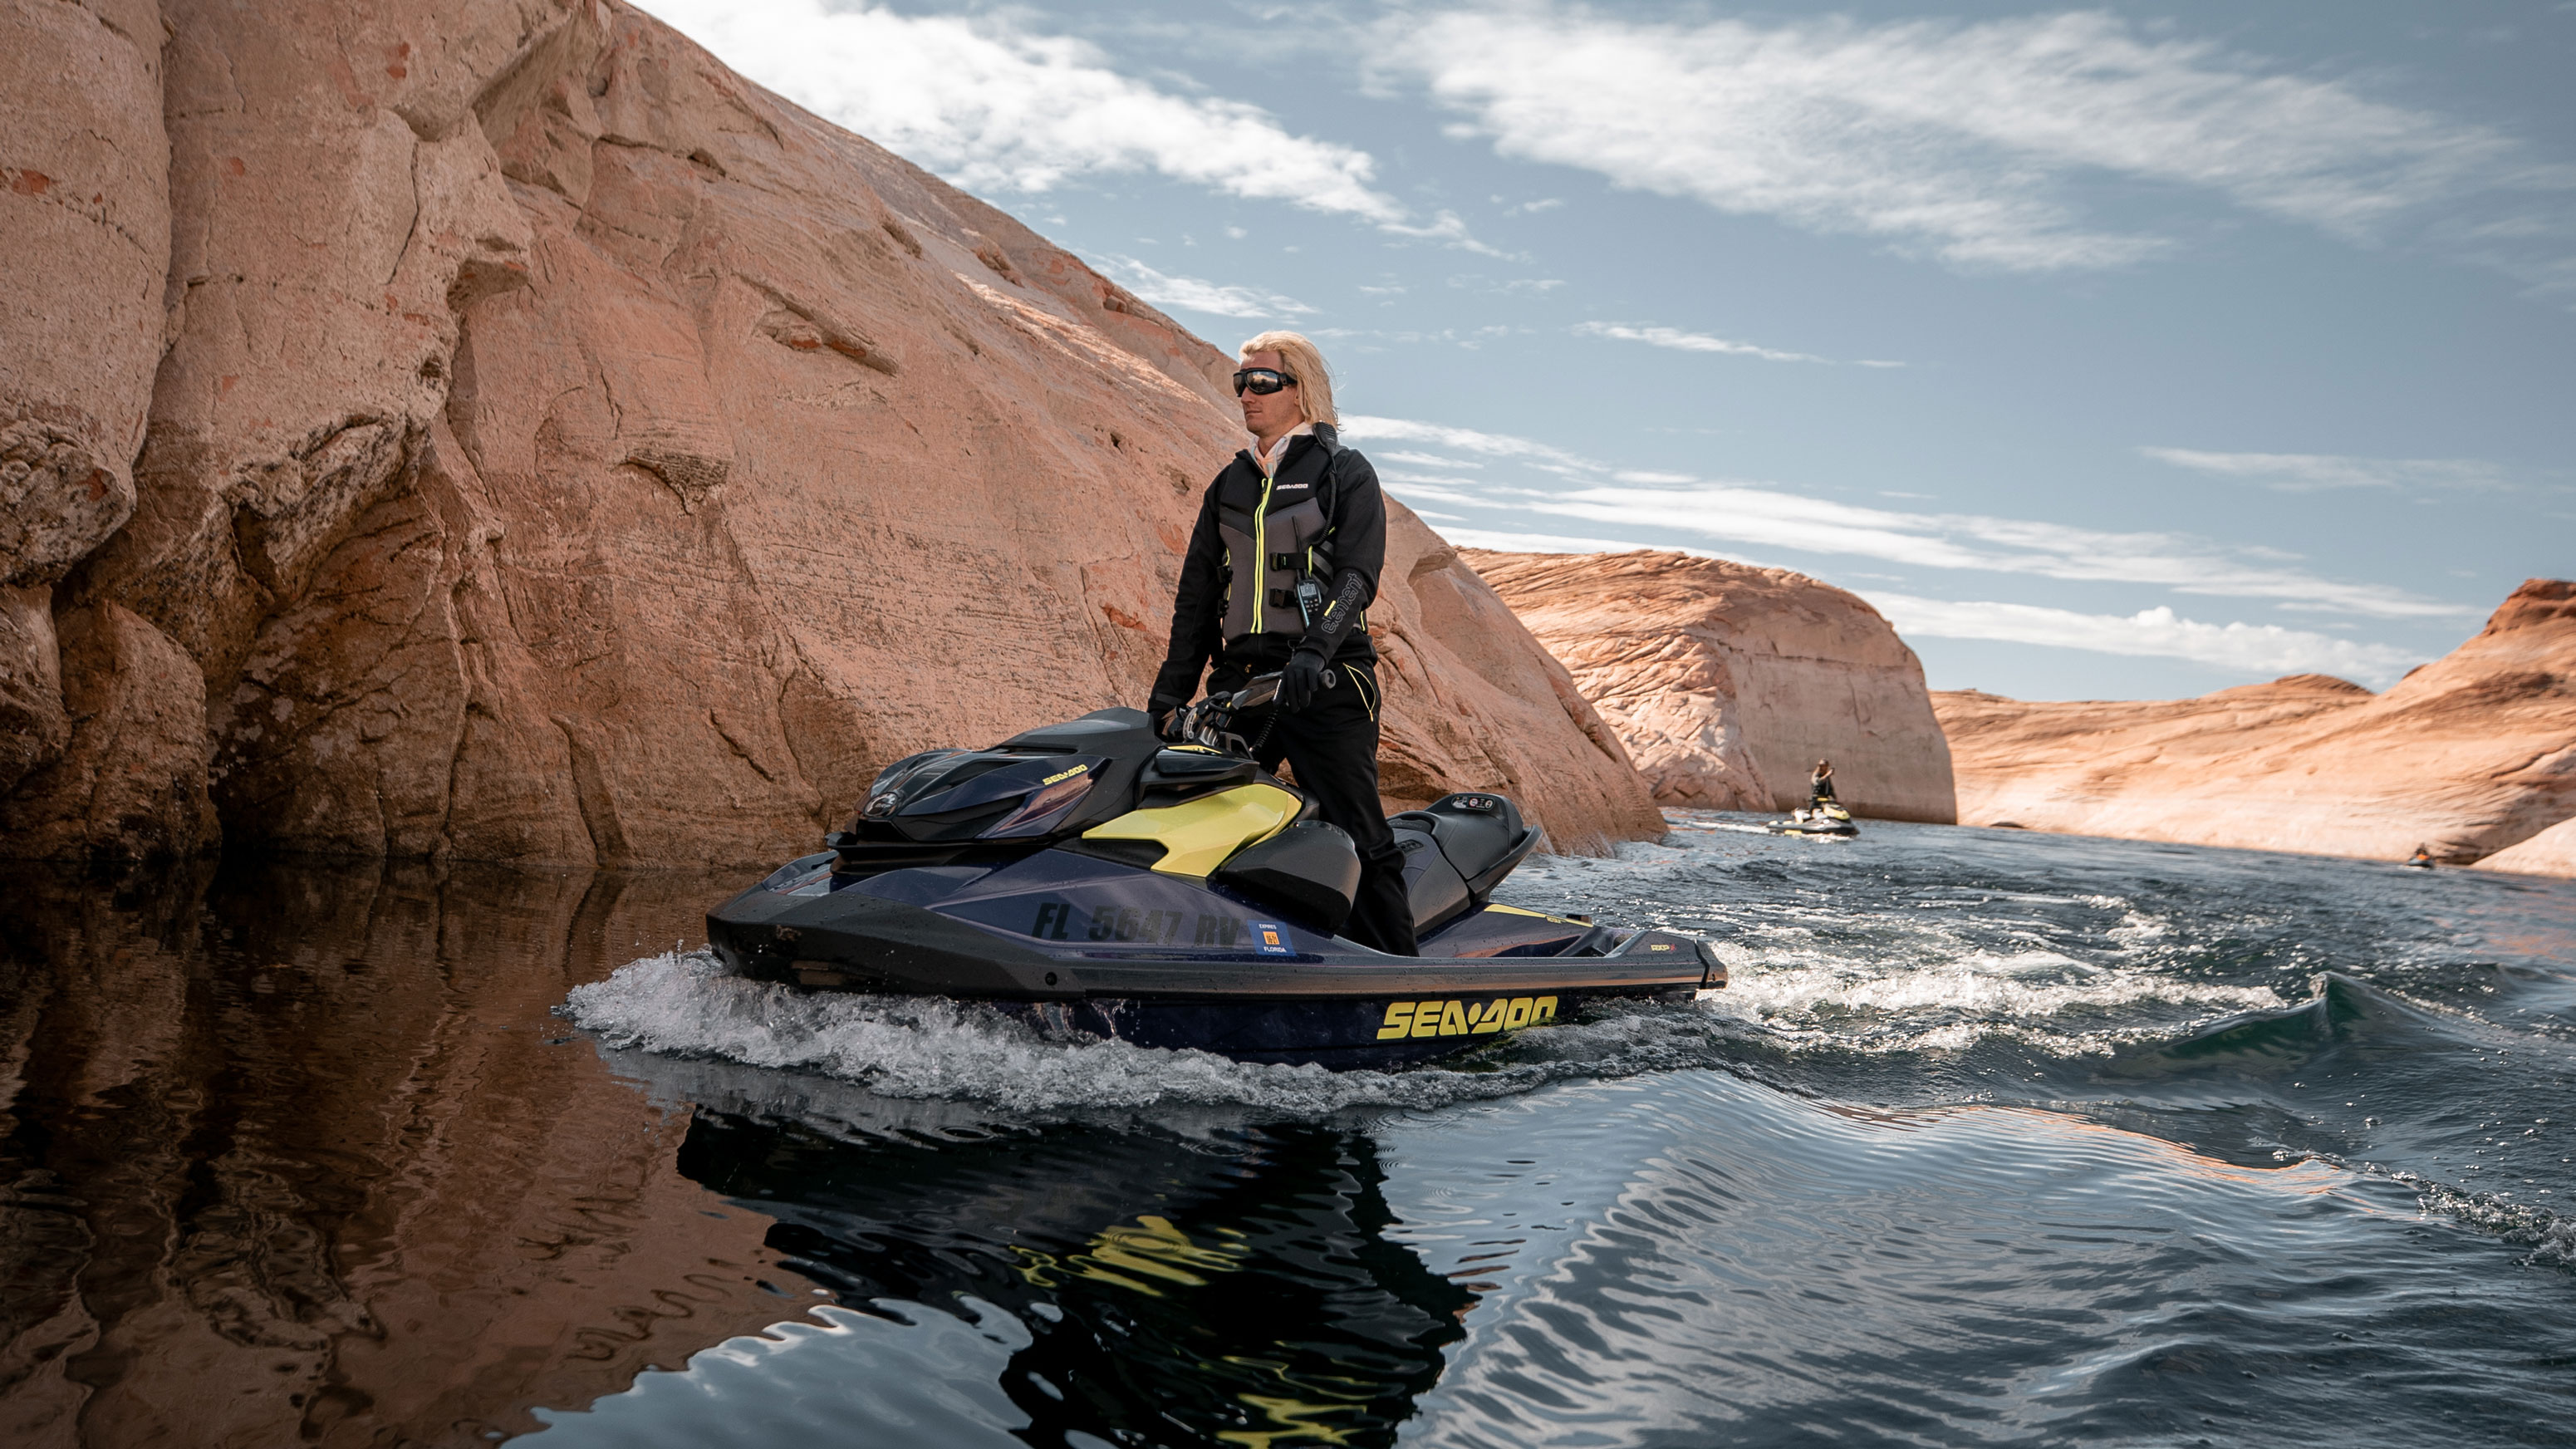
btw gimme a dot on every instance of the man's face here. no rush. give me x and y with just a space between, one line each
1266 415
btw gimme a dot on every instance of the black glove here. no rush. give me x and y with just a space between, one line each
1167 719
1301 681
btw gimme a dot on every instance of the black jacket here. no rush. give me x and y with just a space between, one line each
1356 511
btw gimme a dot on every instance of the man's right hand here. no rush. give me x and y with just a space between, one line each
1167 720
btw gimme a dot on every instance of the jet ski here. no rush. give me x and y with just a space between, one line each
1093 877
1826 819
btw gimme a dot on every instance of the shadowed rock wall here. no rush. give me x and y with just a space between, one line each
2551 852
556 449
1728 682
2469 754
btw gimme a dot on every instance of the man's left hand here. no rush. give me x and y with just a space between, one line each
1301 681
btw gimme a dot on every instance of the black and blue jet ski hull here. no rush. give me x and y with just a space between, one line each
1165 961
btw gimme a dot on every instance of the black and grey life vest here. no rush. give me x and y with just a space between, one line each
1279 554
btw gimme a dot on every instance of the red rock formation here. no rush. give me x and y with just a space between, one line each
85 211
1728 682
2469 754
564 450
2551 852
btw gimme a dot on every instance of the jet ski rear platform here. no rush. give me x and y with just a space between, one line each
1093 878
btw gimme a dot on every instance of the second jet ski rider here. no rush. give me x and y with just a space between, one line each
1280 572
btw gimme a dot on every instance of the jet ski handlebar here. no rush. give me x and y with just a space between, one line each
1210 722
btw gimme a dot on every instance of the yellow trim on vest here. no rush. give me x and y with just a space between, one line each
1197 835
1260 559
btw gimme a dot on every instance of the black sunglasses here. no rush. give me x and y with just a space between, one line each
1263 380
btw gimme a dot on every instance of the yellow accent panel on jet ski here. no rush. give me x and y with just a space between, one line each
1197 835
1542 915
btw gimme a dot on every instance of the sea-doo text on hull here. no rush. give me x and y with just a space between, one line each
1095 877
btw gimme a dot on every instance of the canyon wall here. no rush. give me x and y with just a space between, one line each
2469 755
494 430
2551 852
1727 682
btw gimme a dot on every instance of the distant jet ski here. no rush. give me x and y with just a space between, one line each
1826 819
2422 859
1094 877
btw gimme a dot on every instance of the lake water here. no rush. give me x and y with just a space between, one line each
1996 1138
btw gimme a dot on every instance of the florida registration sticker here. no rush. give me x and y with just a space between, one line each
1271 939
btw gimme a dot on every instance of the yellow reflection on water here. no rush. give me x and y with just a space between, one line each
1153 1249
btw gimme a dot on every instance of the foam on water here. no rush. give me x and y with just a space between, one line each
2064 1005
2550 1237
686 1004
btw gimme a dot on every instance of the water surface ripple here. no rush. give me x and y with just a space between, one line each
1994 1139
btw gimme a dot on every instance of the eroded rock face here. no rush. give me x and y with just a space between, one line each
565 451
85 212
2551 852
2468 755
1728 682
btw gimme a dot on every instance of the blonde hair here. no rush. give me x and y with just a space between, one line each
1303 362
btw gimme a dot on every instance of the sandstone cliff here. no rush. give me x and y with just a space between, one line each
555 448
2551 852
2469 754
1728 682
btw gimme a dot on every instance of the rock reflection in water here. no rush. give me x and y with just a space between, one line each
295 1152
1233 1286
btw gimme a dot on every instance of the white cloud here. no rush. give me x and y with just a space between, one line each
1503 541
2311 472
1663 504
2257 649
1428 460
2263 649
1465 440
1972 541
1680 341
1190 294
1957 139
993 108
1412 487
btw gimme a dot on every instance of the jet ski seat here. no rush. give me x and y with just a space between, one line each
1456 852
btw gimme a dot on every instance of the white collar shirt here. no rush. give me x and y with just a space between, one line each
1268 462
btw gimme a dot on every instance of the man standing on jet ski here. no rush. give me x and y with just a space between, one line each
1820 786
1280 572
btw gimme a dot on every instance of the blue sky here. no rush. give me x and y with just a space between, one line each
2118 352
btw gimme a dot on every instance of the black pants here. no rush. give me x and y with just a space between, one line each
1332 745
